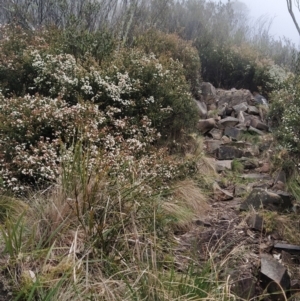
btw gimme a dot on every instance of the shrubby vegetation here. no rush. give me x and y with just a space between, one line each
171 45
285 114
133 99
99 165
241 67
79 147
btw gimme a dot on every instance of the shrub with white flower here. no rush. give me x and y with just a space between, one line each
55 74
284 115
269 76
16 70
32 131
38 134
153 87
113 113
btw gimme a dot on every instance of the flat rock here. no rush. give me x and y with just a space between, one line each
256 176
242 126
247 118
202 108
208 93
223 165
205 125
233 97
212 145
229 153
216 134
233 132
251 129
257 124
287 247
251 151
241 107
241 117
228 122
240 144
274 277
263 184
226 140
263 198
248 163
253 110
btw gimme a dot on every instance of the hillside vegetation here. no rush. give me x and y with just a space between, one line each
100 160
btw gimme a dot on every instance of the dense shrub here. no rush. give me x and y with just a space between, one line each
240 67
29 62
284 115
225 68
155 87
38 134
15 66
269 77
140 83
135 83
119 109
32 130
166 46
80 43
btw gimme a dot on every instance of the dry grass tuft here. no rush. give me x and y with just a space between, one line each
286 225
188 202
206 166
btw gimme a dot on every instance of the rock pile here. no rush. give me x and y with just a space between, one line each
231 112
267 259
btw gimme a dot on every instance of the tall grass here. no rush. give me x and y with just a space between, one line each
94 237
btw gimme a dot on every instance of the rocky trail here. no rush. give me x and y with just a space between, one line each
259 263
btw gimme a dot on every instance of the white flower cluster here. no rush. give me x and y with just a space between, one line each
107 113
34 129
36 132
56 74
277 76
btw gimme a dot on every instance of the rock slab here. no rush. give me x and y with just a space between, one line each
229 153
255 222
274 277
267 199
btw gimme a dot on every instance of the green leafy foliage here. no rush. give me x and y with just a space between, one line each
166 46
240 67
126 104
224 67
16 72
157 87
80 43
82 118
284 115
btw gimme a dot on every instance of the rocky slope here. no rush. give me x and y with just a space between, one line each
254 259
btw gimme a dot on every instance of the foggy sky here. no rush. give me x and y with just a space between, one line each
282 24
